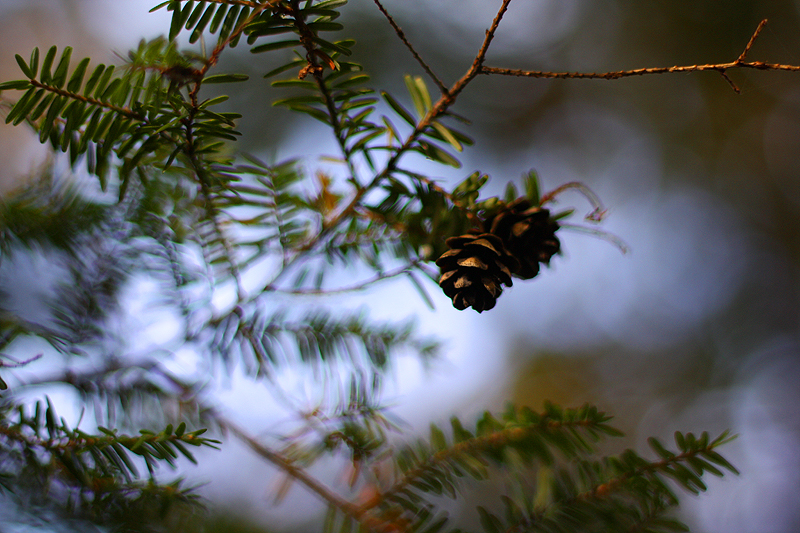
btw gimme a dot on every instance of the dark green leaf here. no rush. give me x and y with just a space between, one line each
218 16
24 67
400 110
60 75
331 4
243 14
23 107
225 78
332 47
325 26
437 154
93 79
489 522
192 20
295 63
47 64
532 188
18 85
230 20
274 46
159 6
76 80
201 26
34 63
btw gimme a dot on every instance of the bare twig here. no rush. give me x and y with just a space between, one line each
442 87
752 40
370 522
721 68
597 213
621 245
360 286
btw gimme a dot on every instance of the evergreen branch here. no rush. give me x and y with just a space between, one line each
48 211
477 63
444 102
357 513
664 465
213 58
320 338
127 112
76 441
630 483
204 181
440 107
316 70
493 437
442 87
721 68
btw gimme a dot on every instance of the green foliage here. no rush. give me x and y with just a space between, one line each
91 474
47 214
547 460
181 207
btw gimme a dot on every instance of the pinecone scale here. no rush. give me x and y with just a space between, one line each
474 270
528 233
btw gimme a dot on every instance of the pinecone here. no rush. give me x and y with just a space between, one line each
474 270
527 233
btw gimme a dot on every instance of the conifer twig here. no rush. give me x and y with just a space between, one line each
721 68
468 447
444 102
125 111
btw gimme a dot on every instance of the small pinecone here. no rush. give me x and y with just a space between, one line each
528 234
474 270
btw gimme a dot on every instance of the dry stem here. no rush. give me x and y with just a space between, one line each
721 68
402 37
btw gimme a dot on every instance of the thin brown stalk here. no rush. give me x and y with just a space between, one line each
360 286
721 68
369 522
402 36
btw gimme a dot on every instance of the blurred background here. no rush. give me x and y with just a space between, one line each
695 329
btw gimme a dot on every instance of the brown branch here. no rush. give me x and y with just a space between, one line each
752 40
370 522
758 65
477 63
442 87
721 68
